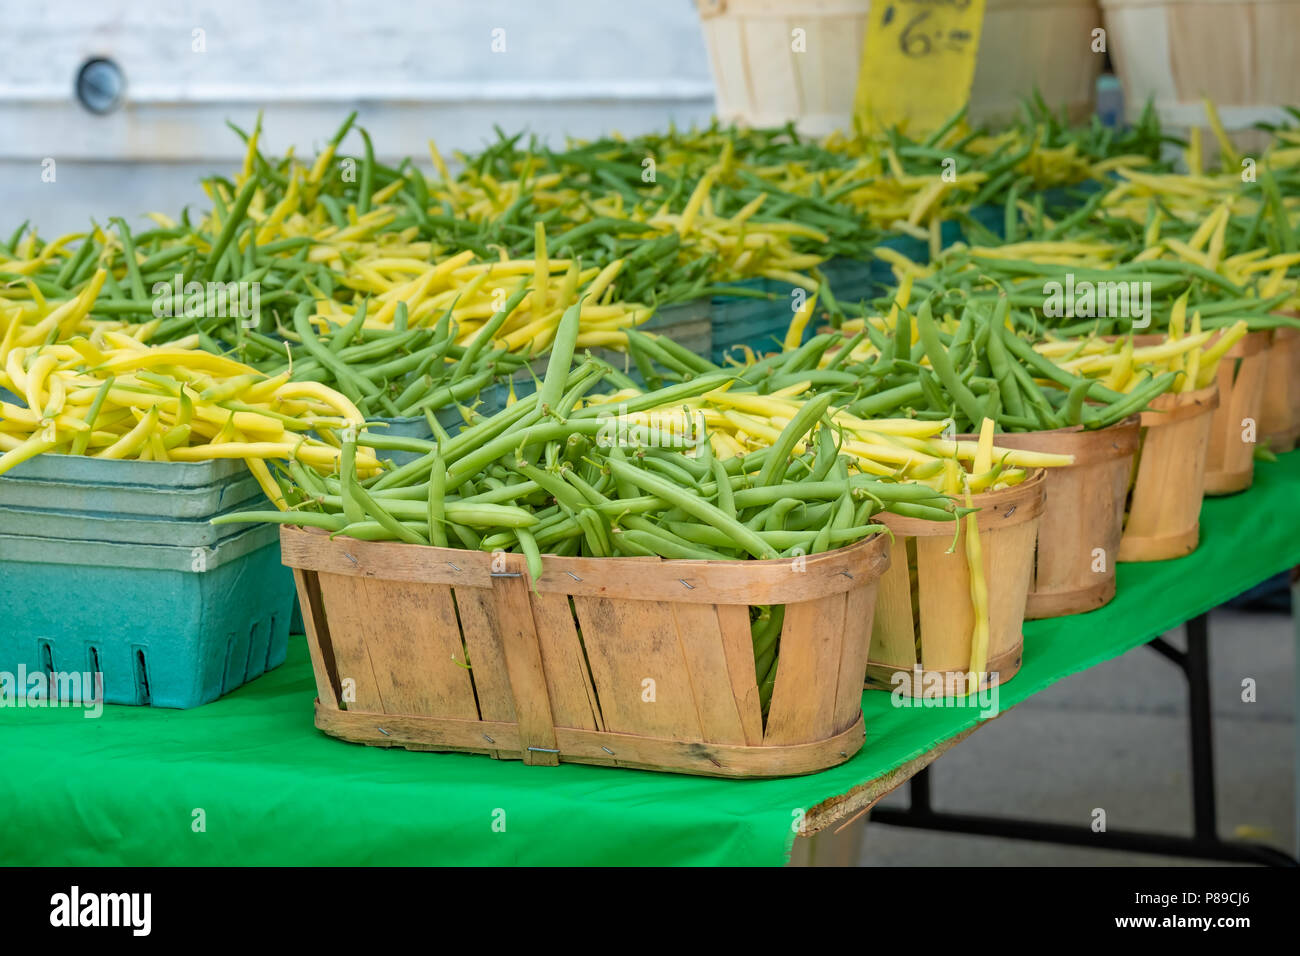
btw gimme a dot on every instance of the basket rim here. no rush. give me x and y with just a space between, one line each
774 580
1129 429
1184 405
1022 502
1252 343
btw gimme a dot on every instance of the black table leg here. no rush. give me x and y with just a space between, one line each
1204 844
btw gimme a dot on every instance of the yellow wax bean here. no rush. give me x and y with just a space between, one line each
1229 337
568 289
984 453
979 601
600 338
892 453
33 389
966 450
26 449
323 394
603 280
130 443
767 406
696 200
504 268
541 266
262 391
794 335
911 427
123 340
1122 371
1273 285
794 278
1189 254
167 355
68 314
17 415
1283 260
1190 382
1207 227
269 486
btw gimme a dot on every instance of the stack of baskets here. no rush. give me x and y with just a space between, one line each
112 567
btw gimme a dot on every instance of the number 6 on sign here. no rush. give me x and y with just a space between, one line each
918 61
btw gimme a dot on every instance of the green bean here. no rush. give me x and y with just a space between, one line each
352 508
931 390
693 505
489 330
903 335
1137 399
82 438
353 384
887 400
558 367
565 494
657 348
435 506
593 529
648 543
448 395
726 502
74 263
230 227
774 517
341 338
1074 401
1001 363
528 545
685 356
310 519
942 365
670 470
666 396
803 421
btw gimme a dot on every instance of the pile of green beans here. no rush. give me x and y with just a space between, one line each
152 259
386 373
982 370
666 269
616 164
553 474
399 373
961 276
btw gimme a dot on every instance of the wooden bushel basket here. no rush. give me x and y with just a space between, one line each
626 662
1165 500
1279 420
942 612
1230 461
1043 45
759 79
1238 53
1084 515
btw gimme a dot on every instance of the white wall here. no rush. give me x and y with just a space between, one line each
415 70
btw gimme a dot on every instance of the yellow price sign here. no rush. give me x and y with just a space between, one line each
918 61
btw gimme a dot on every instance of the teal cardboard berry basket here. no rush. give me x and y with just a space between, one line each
163 625
171 610
756 316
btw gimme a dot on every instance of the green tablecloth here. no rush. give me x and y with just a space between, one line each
133 786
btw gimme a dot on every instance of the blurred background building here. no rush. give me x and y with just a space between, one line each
447 70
